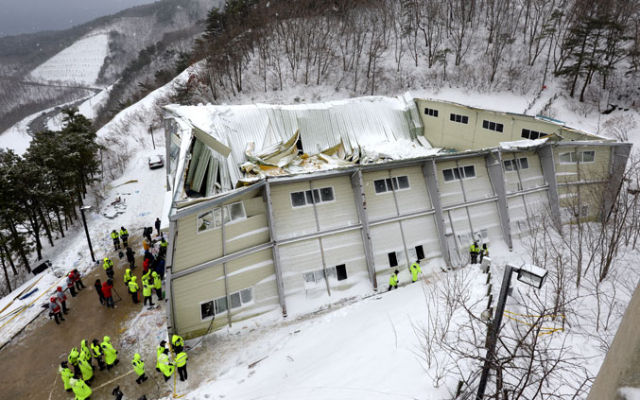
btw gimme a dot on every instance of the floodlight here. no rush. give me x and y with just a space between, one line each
532 275
85 208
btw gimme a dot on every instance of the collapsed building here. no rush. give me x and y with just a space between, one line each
283 208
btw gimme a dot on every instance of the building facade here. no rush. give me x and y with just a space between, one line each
290 242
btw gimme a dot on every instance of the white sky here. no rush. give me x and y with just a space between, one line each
29 16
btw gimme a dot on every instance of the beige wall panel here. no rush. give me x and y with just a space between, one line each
247 271
416 198
341 212
255 206
530 178
572 172
385 239
422 231
289 221
245 234
346 248
450 192
194 248
520 123
379 206
485 216
295 259
477 188
460 226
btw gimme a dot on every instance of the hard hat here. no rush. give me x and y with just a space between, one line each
133 278
106 339
154 274
53 299
59 289
106 258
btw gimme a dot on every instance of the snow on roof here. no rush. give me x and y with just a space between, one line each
522 144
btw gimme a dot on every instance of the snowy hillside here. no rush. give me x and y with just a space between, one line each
78 64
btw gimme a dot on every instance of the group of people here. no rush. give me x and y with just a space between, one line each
414 269
180 362
58 302
117 236
79 379
476 251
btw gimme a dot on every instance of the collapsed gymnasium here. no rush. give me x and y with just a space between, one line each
284 208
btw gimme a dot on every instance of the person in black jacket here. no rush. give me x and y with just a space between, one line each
131 258
158 223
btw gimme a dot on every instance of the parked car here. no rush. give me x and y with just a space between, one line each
156 161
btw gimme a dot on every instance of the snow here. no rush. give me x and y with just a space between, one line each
629 393
17 137
88 108
79 63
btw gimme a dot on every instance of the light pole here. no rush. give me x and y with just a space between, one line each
532 276
86 230
151 132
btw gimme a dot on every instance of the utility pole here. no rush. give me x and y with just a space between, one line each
86 230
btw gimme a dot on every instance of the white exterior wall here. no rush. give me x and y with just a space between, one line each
288 221
477 188
380 206
529 178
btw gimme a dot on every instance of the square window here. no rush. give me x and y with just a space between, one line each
469 171
419 252
393 259
448 175
326 194
380 186
465 120
319 275
524 163
235 300
298 199
205 221
435 113
403 182
221 305
508 165
485 124
341 270
309 277
565 158
588 156
499 127
206 310
526 133
452 117
246 295
331 272
236 211
492 126
534 135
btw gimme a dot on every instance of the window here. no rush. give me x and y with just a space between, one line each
221 305
419 252
576 157
454 174
431 112
461 119
239 299
581 211
519 163
319 275
393 259
213 218
492 126
532 135
389 184
206 310
309 197
341 270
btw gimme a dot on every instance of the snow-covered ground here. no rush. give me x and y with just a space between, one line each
78 64
88 108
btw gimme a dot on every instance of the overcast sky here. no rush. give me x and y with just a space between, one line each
28 16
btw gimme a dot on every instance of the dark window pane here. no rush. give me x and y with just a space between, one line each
380 186
452 117
507 165
235 300
389 185
403 182
342 272
456 172
221 305
316 196
499 127
426 111
524 163
393 260
448 175
297 199
534 135
588 156
465 120
309 197
469 171
419 252
435 113
246 295
525 133
206 310
327 194
395 183
485 124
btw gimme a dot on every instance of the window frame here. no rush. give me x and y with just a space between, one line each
459 118
224 298
497 127
515 164
214 219
461 174
576 157
395 255
311 192
394 182
213 309
530 132
432 112
346 274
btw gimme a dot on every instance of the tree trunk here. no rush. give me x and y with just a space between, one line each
60 227
47 229
4 268
16 238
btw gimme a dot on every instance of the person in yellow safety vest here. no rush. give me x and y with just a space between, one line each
147 275
66 374
84 352
80 389
415 270
177 342
73 356
138 367
484 252
181 363
393 280
157 284
108 267
133 289
473 252
96 352
163 248
110 354
127 276
159 353
86 369
116 239
166 366
124 235
146 292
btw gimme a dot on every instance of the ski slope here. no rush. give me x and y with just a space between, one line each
78 64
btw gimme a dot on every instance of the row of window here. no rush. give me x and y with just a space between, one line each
339 272
518 163
455 174
213 218
531 134
573 157
310 197
393 256
492 126
390 184
209 309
